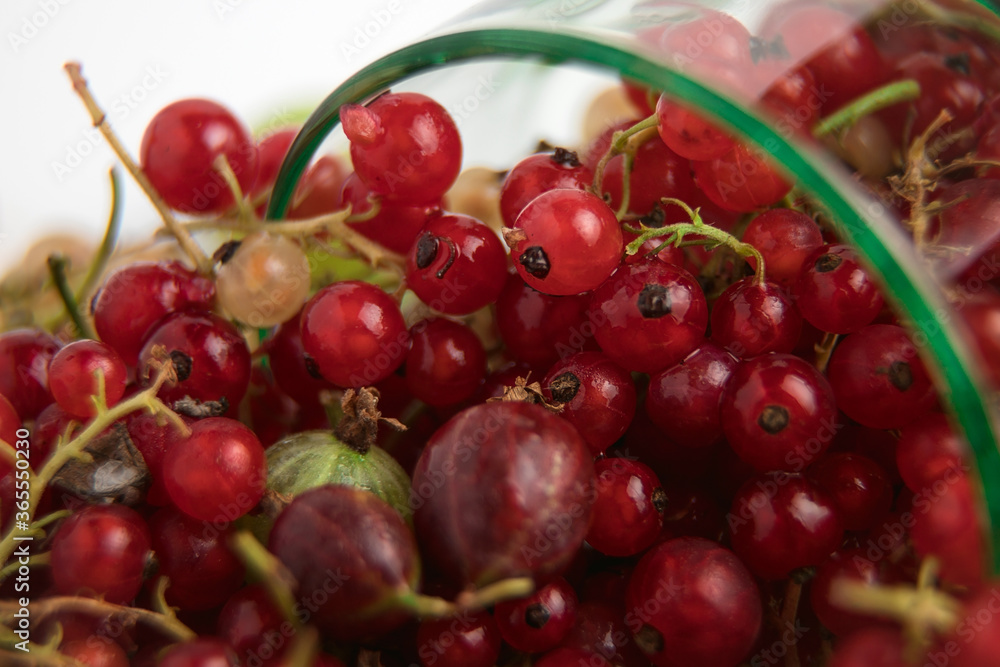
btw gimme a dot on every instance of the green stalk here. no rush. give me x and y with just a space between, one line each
870 102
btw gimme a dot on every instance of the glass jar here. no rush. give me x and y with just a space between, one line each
503 68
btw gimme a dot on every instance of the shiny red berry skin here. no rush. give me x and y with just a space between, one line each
353 555
834 293
692 602
785 238
871 647
396 225
471 639
688 133
137 296
946 525
649 316
657 172
570 657
271 151
354 333
210 357
539 328
404 146
318 191
853 564
218 472
104 653
250 622
101 550
751 318
742 180
25 355
927 449
781 521
778 412
568 242
533 521
179 148
878 379
598 397
195 555
859 487
456 265
628 507
288 364
200 652
72 378
540 173
540 621
684 400
446 362
10 423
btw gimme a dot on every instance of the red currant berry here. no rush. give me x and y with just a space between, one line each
628 507
540 173
741 180
692 602
456 265
288 364
688 133
104 653
271 151
195 556
469 640
947 527
209 355
216 473
871 647
446 362
73 377
781 521
785 238
247 621
859 487
200 652
25 355
854 565
598 397
318 191
751 318
404 146
927 450
540 621
353 333
101 550
649 316
566 242
776 409
539 329
395 226
135 297
179 149
684 400
834 293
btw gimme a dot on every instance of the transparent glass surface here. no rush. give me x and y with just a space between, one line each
532 41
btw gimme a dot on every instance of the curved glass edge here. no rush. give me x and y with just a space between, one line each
863 221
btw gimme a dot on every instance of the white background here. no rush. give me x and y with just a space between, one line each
265 59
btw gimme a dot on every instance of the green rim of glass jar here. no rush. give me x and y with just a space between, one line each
863 221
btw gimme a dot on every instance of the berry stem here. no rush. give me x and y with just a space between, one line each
628 160
108 242
100 120
36 559
225 170
619 141
924 611
125 616
75 447
824 349
676 234
429 606
57 268
263 565
870 102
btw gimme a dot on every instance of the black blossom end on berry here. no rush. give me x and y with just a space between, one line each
312 367
192 407
226 251
427 248
566 158
958 62
535 261
900 375
659 498
649 640
654 301
182 365
564 387
773 419
536 615
828 262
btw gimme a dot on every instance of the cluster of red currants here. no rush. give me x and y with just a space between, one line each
658 414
